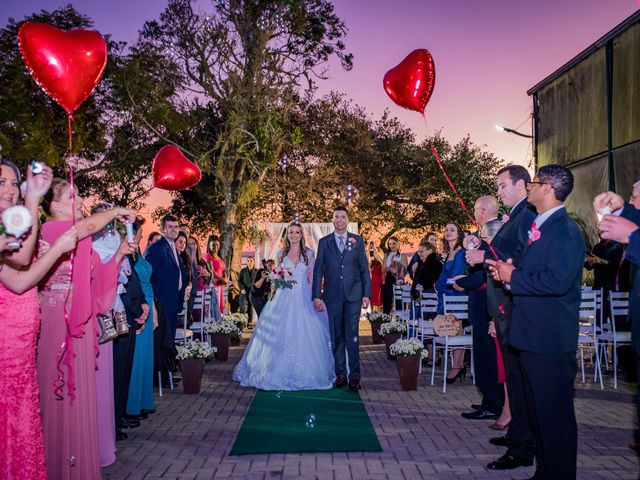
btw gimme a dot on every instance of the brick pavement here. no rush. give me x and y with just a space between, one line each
422 433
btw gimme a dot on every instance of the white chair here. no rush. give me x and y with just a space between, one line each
428 309
618 307
588 332
199 305
183 335
458 306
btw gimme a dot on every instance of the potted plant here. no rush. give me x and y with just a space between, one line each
192 356
408 354
377 319
221 333
391 331
241 321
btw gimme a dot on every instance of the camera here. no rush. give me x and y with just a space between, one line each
36 167
371 249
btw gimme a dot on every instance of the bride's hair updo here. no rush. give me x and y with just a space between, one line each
287 243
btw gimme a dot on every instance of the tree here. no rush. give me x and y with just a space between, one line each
400 186
111 156
222 86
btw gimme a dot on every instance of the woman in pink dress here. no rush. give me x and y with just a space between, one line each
21 445
218 268
70 297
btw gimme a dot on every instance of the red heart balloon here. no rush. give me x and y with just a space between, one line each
67 65
410 83
173 171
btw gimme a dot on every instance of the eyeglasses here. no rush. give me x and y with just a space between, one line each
537 183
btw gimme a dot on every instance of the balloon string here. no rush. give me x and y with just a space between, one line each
455 191
59 382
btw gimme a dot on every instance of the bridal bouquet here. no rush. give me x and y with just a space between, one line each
280 278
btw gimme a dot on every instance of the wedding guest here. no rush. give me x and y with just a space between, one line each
415 259
204 277
246 279
377 279
394 269
70 303
429 269
137 310
484 347
544 332
21 441
166 278
489 231
184 228
140 400
454 265
153 238
261 288
218 268
510 242
184 262
623 227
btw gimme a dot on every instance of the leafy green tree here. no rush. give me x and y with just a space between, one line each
111 156
222 85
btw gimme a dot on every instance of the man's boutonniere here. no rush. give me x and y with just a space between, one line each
505 218
534 234
351 242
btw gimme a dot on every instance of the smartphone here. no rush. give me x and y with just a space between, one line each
371 249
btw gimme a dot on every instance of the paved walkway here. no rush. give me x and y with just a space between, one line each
422 433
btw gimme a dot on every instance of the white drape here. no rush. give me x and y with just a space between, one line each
313 232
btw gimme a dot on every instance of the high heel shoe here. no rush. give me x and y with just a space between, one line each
462 373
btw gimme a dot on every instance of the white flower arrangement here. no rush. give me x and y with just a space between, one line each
240 319
392 327
223 327
195 349
406 348
378 317
16 221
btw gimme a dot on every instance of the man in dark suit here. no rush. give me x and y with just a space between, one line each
137 311
166 278
484 348
624 226
342 264
509 242
246 279
546 289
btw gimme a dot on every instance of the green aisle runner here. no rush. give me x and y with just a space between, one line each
332 420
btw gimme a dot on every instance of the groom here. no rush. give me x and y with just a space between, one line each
342 263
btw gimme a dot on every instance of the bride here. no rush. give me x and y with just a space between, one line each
290 348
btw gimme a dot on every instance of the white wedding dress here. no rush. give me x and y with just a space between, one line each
290 348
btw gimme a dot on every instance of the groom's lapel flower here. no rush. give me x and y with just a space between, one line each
505 218
351 242
534 234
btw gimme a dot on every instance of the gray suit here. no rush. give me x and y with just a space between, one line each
346 280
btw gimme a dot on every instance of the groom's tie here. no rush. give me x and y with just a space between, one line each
341 243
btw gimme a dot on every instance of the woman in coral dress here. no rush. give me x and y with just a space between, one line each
70 297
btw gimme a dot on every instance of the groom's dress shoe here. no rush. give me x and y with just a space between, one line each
340 382
509 462
480 415
354 385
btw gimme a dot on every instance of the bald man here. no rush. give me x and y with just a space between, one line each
485 209
484 348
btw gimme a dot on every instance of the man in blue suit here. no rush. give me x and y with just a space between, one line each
342 285
166 279
624 226
546 288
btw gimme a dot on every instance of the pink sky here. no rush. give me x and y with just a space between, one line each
487 54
